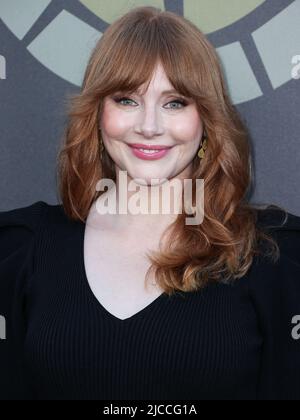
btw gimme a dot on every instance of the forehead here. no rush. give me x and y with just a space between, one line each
159 82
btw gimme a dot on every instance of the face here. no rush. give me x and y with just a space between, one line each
153 119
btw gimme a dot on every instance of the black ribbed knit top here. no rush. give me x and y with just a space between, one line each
237 340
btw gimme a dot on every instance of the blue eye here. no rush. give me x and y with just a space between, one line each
120 99
182 102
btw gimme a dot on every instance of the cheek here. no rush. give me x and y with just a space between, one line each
113 122
188 128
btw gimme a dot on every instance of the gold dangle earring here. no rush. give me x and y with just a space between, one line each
203 148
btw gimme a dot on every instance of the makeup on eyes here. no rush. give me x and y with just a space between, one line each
174 96
180 100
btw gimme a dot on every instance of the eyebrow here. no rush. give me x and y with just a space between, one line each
165 92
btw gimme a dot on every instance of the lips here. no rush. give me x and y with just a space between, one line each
149 147
149 153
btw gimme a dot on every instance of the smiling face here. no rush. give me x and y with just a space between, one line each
152 119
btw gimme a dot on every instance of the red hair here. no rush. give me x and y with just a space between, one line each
125 57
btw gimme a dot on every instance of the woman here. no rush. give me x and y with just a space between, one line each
146 306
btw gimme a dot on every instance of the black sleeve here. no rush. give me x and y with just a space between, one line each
275 290
17 244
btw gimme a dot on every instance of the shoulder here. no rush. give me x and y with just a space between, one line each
19 226
274 290
266 277
27 216
33 215
276 284
284 227
276 218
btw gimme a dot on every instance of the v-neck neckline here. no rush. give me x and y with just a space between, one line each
95 300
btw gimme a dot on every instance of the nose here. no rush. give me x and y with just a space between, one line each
150 125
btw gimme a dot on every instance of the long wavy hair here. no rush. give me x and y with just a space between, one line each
223 246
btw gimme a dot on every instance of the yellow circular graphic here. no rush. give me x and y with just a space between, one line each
208 15
64 44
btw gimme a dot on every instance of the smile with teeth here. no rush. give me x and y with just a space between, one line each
149 151
149 154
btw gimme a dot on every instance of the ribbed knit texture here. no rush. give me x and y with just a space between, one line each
227 341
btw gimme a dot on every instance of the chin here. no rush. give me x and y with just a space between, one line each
145 180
